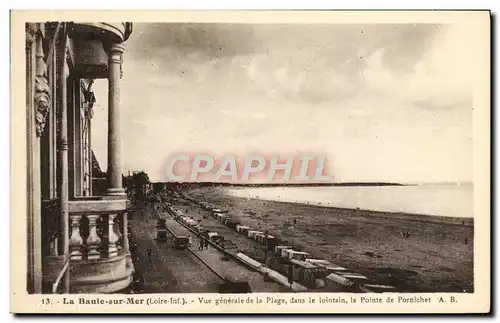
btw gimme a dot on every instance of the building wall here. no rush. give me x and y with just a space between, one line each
60 160
63 177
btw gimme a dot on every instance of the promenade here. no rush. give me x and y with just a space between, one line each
170 270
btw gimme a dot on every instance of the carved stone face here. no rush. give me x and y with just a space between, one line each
43 106
42 109
42 103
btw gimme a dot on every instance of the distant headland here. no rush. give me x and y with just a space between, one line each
208 184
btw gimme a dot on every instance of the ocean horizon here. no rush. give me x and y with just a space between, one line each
436 199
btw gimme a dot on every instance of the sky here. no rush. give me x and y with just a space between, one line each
382 102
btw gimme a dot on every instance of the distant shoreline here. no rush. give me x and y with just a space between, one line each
353 184
417 217
207 184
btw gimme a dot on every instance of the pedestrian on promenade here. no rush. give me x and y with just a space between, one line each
206 244
190 241
149 254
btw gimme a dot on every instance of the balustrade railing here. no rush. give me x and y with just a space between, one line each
95 236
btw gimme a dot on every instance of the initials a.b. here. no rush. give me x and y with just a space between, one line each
451 300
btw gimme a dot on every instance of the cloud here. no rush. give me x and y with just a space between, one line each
438 80
206 40
384 102
313 63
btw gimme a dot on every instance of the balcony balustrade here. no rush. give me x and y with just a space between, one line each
99 258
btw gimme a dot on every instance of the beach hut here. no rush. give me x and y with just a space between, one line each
318 262
371 288
232 224
326 264
260 238
240 228
308 274
358 278
252 233
336 279
284 252
271 242
297 255
277 249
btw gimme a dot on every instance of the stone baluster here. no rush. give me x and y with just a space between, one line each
93 240
112 238
76 240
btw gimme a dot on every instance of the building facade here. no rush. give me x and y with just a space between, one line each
77 215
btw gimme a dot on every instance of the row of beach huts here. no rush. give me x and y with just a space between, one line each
295 265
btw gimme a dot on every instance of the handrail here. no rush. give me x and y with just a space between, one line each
87 198
60 275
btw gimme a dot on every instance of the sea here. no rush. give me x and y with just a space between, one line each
449 200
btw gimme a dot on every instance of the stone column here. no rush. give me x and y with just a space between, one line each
114 140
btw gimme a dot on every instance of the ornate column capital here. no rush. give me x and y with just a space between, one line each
115 53
31 31
117 47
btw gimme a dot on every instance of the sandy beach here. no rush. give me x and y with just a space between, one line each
437 256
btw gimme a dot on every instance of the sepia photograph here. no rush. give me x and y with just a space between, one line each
181 163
